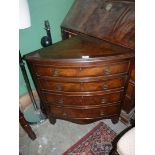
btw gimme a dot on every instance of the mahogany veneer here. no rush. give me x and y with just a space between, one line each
81 79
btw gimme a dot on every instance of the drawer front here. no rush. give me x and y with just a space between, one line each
85 113
47 84
82 100
109 69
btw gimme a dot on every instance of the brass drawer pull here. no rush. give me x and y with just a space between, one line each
61 101
106 72
64 114
103 100
102 113
105 87
55 72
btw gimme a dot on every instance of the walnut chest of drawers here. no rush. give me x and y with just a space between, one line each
81 79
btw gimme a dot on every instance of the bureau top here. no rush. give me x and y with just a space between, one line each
81 48
111 20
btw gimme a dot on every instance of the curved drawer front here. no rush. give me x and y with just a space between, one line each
82 100
47 84
109 69
85 113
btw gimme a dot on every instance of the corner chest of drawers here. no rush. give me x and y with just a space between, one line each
81 79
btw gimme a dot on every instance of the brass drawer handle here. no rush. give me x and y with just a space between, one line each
102 113
105 87
55 72
106 72
103 100
64 114
61 101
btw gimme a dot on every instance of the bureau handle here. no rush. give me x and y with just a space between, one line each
64 114
61 101
105 87
106 72
103 100
55 72
102 113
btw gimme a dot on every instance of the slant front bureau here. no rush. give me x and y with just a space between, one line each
81 79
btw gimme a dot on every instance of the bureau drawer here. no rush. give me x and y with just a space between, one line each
85 113
48 84
109 69
82 100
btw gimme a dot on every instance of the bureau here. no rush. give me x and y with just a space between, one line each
81 79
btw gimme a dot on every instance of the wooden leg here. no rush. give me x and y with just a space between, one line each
115 119
52 120
26 126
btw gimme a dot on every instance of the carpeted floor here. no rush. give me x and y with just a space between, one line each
95 142
56 139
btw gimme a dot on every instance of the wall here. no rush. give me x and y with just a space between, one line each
29 39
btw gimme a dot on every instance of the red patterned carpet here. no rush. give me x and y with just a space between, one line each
95 142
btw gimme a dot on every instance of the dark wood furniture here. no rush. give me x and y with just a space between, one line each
111 20
27 128
117 138
81 79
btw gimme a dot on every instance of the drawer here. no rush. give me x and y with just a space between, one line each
109 69
82 100
85 113
48 84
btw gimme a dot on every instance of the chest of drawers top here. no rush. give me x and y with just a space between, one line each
80 49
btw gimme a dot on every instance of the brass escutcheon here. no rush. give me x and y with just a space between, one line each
105 87
55 72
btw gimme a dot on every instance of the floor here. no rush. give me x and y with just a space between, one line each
56 139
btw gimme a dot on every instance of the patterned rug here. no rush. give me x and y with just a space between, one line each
96 142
